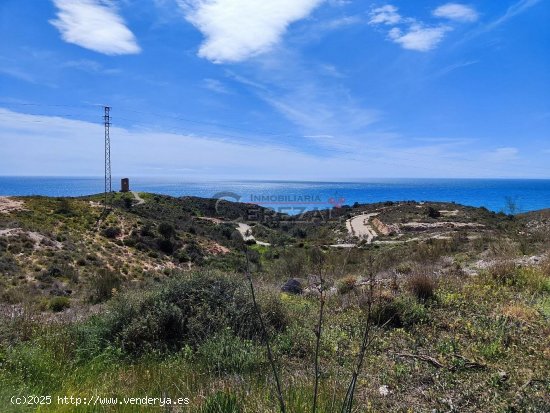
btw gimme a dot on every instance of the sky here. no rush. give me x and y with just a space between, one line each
322 90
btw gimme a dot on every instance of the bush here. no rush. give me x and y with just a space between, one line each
128 202
432 212
166 230
166 246
58 304
103 284
404 268
147 230
398 312
422 286
503 271
64 207
346 285
182 311
111 232
194 252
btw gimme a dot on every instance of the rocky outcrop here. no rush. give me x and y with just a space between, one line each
383 228
424 226
293 286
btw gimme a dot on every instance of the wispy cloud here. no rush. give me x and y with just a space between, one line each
236 30
215 85
456 11
70 147
503 154
418 37
514 10
18 74
341 22
94 25
456 66
90 66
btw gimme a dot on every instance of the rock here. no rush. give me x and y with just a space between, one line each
502 376
293 286
384 390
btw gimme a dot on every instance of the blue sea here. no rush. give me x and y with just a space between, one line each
293 197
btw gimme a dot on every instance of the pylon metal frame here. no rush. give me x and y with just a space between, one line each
108 180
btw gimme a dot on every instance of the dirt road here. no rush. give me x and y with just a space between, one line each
246 232
359 226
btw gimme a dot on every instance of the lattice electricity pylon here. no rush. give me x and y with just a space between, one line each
108 183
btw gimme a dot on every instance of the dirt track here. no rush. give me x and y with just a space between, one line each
359 226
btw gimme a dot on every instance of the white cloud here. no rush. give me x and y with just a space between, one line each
342 22
94 25
503 154
236 30
385 15
51 145
90 66
418 37
48 145
456 11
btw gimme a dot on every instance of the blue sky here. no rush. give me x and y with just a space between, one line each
277 89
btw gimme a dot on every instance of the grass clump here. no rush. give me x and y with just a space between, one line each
421 286
58 304
346 285
221 402
226 353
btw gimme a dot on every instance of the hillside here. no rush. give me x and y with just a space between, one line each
150 299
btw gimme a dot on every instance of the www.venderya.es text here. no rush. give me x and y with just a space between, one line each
96 400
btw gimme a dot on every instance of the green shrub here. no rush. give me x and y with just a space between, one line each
402 311
182 310
103 284
346 285
111 232
433 212
194 252
404 268
58 304
64 206
533 278
166 230
166 245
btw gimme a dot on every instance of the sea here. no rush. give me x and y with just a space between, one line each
499 195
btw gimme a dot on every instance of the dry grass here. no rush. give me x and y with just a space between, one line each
502 271
422 286
520 312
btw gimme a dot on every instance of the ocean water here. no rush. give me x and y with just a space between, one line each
293 197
